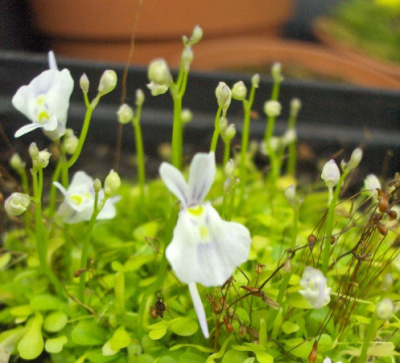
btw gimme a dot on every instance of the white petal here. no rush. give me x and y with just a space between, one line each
80 178
109 211
175 182
27 128
201 177
51 125
60 188
52 61
211 262
20 100
198 306
71 216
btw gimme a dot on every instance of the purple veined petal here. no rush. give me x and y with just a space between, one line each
52 61
199 308
201 177
175 182
27 128
207 252
43 82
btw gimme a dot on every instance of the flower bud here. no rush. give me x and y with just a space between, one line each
70 144
187 57
371 184
112 184
97 185
384 309
272 108
276 72
355 159
229 169
255 80
186 116
125 114
157 89
227 185
197 34
42 160
330 173
224 95
17 164
17 203
239 91
108 82
289 136
33 150
295 106
223 124
84 83
229 133
290 194
158 72
387 282
139 97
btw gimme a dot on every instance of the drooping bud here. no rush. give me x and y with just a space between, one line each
139 97
112 184
224 95
16 204
84 83
125 114
158 72
295 106
272 108
239 91
108 82
186 116
330 173
17 164
384 309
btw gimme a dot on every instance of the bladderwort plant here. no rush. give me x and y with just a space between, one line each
270 270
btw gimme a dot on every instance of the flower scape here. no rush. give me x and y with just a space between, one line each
220 261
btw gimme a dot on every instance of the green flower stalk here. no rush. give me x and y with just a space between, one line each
227 135
295 106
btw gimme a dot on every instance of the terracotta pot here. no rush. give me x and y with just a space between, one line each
104 27
239 52
351 51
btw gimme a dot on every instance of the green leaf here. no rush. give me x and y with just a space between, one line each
56 321
258 350
288 327
145 230
156 334
296 300
46 302
233 356
22 310
198 347
120 339
189 357
184 327
4 260
88 333
221 352
362 319
299 347
263 333
55 345
31 345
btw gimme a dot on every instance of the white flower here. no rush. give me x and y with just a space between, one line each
204 249
157 89
371 184
328 360
45 101
315 290
330 174
17 203
78 205
385 309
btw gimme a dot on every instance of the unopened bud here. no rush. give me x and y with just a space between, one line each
371 184
384 309
108 82
239 91
16 204
255 80
112 184
84 83
355 159
387 282
33 150
197 34
17 164
139 97
97 185
227 185
224 95
330 173
42 159
125 114
276 72
186 116
158 72
290 194
295 106
229 133
223 124
272 108
289 136
229 169
187 57
157 89
70 144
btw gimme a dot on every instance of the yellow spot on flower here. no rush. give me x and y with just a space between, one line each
203 232
76 199
196 211
43 116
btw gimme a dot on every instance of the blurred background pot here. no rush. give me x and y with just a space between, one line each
102 29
